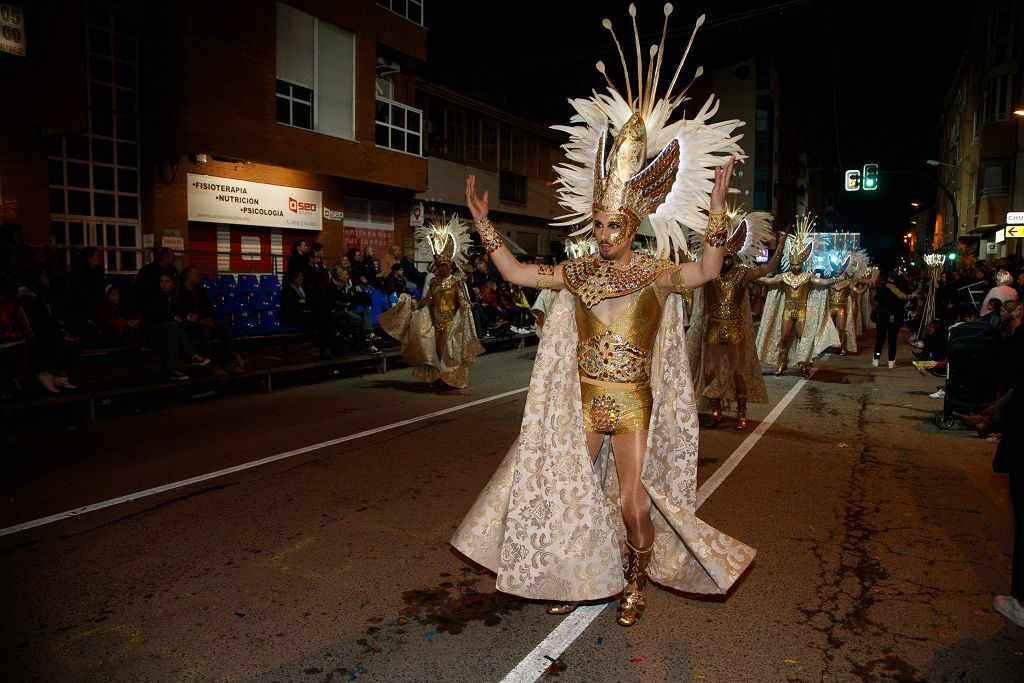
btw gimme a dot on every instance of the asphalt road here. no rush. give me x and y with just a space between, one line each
880 540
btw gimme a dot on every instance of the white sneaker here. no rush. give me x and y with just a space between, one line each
892 364
46 379
177 376
941 393
63 382
1009 607
874 362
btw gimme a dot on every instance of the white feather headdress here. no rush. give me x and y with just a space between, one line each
750 232
702 145
447 240
800 245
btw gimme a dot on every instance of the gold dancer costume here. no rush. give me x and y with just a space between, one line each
720 340
437 333
599 490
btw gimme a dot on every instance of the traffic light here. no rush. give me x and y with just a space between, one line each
852 180
870 177
952 256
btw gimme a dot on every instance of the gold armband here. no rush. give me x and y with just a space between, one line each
544 276
485 227
677 281
718 228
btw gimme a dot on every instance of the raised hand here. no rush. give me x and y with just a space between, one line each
478 206
723 176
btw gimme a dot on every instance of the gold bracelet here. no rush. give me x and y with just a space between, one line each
718 228
545 274
677 281
485 227
494 245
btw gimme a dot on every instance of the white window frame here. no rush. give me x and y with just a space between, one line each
392 105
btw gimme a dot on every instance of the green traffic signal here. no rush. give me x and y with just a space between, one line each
952 256
870 177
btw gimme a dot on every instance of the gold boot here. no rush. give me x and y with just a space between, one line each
635 570
783 359
741 412
805 369
561 607
842 343
716 412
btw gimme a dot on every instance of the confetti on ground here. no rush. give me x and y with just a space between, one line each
600 640
697 676
354 674
790 661
637 660
430 634
549 659
843 444
239 614
400 621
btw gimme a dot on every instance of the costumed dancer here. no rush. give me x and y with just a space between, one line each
724 364
605 464
842 296
795 303
437 332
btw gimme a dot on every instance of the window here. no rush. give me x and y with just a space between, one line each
410 9
369 213
315 74
997 102
93 178
512 187
399 127
1001 33
251 247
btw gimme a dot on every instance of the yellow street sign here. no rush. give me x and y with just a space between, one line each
1014 231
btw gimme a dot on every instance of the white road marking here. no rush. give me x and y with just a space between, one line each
247 466
535 664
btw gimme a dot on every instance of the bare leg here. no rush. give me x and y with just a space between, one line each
783 351
805 364
712 366
630 449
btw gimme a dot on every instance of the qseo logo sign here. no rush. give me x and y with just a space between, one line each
295 206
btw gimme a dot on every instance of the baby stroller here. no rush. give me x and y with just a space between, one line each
972 355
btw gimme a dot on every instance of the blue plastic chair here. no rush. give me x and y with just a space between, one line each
207 281
226 301
270 282
243 323
226 282
247 282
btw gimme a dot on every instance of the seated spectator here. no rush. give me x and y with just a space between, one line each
53 351
147 281
1003 291
296 311
372 266
194 310
159 321
112 322
87 283
344 299
15 256
415 276
395 283
15 334
993 317
389 259
361 275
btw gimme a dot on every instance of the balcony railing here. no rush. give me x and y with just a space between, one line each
994 191
399 127
410 9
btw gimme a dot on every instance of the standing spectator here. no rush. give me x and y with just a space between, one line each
194 311
87 282
299 258
888 316
160 321
346 316
15 256
297 312
147 281
53 350
1002 291
1020 285
113 323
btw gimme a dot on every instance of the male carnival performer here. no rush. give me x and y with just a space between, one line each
797 301
843 296
560 513
437 333
725 366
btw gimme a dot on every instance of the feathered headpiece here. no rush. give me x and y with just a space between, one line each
860 262
800 244
673 190
582 245
447 241
750 232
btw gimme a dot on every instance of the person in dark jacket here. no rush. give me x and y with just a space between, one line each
114 323
297 311
888 316
350 309
87 282
53 351
160 321
15 256
147 281
395 282
194 310
412 273
1009 458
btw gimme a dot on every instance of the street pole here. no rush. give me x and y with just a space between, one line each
949 195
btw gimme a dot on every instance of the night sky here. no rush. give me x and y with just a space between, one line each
868 80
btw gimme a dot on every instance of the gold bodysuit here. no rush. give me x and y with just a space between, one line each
837 296
444 301
725 306
795 306
615 365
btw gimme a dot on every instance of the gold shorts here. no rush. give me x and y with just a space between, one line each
838 309
724 331
794 309
612 410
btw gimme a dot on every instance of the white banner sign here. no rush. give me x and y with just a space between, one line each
240 202
1015 217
